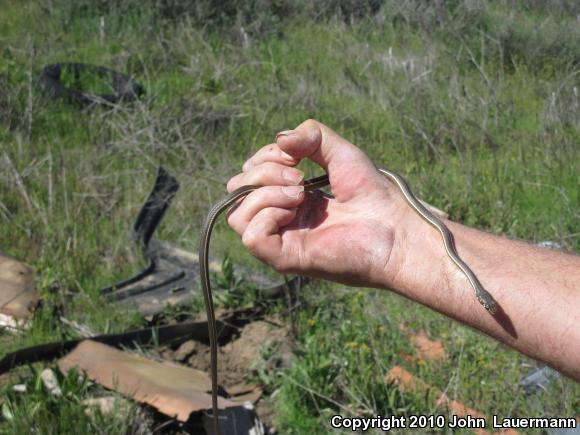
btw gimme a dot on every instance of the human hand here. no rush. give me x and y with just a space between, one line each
360 237
368 235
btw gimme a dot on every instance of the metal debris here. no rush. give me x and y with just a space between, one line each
18 296
161 335
175 390
539 378
122 87
573 431
242 420
549 244
172 273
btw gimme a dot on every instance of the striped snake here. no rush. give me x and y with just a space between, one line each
309 185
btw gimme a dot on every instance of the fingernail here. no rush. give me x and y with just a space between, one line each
293 176
285 133
293 191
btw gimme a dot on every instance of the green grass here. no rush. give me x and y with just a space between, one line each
476 104
47 413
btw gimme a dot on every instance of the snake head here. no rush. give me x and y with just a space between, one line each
489 304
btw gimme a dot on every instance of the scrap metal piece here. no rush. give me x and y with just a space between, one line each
539 378
18 295
159 335
175 390
241 420
156 274
122 88
549 244
572 431
173 273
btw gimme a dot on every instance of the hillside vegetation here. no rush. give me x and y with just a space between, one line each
476 103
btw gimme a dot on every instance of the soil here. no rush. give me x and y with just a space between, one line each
267 341
237 358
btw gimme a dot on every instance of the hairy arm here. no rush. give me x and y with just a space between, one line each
537 290
369 236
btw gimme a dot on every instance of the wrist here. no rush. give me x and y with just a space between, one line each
419 267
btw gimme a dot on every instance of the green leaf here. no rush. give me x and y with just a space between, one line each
7 412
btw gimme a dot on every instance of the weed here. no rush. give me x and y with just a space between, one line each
39 410
474 102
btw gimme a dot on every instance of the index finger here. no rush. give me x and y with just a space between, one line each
270 153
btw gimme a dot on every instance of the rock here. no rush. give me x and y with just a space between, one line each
50 382
186 349
19 388
107 405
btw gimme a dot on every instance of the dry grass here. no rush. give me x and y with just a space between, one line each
475 102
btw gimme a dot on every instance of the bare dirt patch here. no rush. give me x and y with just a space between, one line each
237 358
264 341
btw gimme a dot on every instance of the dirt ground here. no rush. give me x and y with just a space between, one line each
266 341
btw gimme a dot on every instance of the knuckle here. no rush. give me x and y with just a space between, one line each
310 126
231 220
283 264
231 185
236 223
259 173
265 153
250 240
278 265
269 166
253 176
314 131
248 164
311 123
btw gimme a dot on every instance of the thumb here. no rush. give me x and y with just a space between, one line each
348 168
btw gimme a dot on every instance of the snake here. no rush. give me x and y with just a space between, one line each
482 295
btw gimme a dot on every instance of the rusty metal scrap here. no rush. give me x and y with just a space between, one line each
174 390
173 273
160 335
18 295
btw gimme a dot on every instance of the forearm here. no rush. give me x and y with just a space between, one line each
537 291
370 235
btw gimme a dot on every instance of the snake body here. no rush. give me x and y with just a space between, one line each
484 297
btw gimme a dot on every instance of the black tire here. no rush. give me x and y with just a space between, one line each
123 87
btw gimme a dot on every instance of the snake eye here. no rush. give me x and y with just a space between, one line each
491 308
